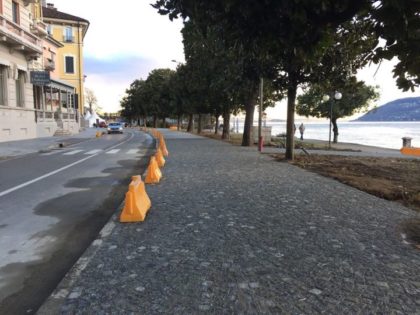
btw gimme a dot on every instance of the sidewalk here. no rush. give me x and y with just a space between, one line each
233 231
21 147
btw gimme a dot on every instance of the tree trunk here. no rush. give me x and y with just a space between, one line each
335 129
190 123
290 131
145 121
178 124
226 125
249 118
199 126
154 121
216 125
163 122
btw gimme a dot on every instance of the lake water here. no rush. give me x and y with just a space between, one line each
380 134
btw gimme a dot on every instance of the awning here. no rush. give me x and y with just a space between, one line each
60 85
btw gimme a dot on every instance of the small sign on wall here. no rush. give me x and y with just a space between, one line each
40 77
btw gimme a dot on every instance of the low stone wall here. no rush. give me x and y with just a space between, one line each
17 124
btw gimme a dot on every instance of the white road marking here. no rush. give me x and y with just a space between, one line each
44 176
133 151
113 151
51 153
72 152
93 152
8 191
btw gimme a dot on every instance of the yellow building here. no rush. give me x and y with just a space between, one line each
70 31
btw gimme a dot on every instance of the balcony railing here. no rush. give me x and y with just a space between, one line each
68 39
39 28
19 38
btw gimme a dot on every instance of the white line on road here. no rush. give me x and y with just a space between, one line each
93 152
51 153
113 151
8 191
133 151
72 152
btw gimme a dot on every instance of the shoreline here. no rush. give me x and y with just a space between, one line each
380 134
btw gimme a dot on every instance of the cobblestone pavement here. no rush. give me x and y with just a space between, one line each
232 231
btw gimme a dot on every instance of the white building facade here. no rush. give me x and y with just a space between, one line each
24 110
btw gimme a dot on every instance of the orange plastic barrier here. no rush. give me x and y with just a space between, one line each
159 158
154 174
173 128
162 146
137 202
410 151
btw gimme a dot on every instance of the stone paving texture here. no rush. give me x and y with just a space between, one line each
232 231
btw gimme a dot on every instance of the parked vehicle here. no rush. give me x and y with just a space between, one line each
115 128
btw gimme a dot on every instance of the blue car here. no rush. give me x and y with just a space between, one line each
115 128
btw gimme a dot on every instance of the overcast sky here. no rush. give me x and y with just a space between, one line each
127 39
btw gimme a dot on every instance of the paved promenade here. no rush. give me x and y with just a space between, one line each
231 231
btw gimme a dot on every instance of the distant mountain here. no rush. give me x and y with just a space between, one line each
404 109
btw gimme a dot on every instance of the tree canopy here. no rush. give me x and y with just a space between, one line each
356 96
290 41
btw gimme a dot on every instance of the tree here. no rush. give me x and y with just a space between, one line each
226 75
179 93
292 35
398 23
356 96
135 103
91 100
285 37
157 94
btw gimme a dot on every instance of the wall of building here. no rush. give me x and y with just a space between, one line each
25 19
24 122
16 122
71 49
48 47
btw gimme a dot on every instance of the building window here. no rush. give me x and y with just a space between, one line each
37 97
71 100
3 85
20 89
69 64
49 29
15 12
68 34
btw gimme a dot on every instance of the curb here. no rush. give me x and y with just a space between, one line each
53 303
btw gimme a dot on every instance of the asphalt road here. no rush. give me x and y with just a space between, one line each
53 204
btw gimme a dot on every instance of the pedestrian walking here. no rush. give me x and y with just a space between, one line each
301 130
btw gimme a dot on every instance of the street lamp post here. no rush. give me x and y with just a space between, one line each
325 98
260 137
